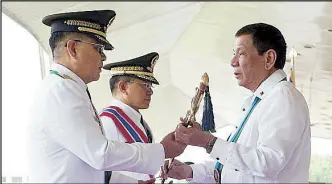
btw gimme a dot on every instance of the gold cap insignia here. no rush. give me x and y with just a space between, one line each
153 63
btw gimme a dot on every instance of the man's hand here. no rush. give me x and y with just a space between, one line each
172 147
192 124
193 135
177 170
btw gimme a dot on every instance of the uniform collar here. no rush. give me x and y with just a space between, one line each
65 71
269 83
128 110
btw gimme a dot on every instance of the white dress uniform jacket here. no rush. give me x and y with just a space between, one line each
66 143
275 144
113 133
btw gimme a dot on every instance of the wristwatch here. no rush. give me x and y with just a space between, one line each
210 145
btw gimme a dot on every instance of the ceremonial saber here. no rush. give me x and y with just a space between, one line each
190 116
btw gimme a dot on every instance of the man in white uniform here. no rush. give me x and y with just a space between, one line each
131 87
272 143
66 139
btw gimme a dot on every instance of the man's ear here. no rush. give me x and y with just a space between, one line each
122 86
270 59
71 48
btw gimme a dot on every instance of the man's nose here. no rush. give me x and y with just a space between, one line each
150 91
103 57
234 62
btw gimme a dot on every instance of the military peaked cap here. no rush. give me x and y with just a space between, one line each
140 67
92 23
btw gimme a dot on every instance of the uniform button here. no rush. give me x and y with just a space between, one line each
236 170
217 158
243 109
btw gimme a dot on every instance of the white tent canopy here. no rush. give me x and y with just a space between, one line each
197 37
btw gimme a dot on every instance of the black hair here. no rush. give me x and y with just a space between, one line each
265 37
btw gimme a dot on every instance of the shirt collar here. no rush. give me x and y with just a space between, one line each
269 83
128 110
65 71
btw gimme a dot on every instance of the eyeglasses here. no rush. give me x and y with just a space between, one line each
147 85
99 47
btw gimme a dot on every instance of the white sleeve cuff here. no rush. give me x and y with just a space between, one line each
199 173
220 150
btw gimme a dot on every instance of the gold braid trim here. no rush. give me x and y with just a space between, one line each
92 31
127 68
82 23
101 38
147 77
139 73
